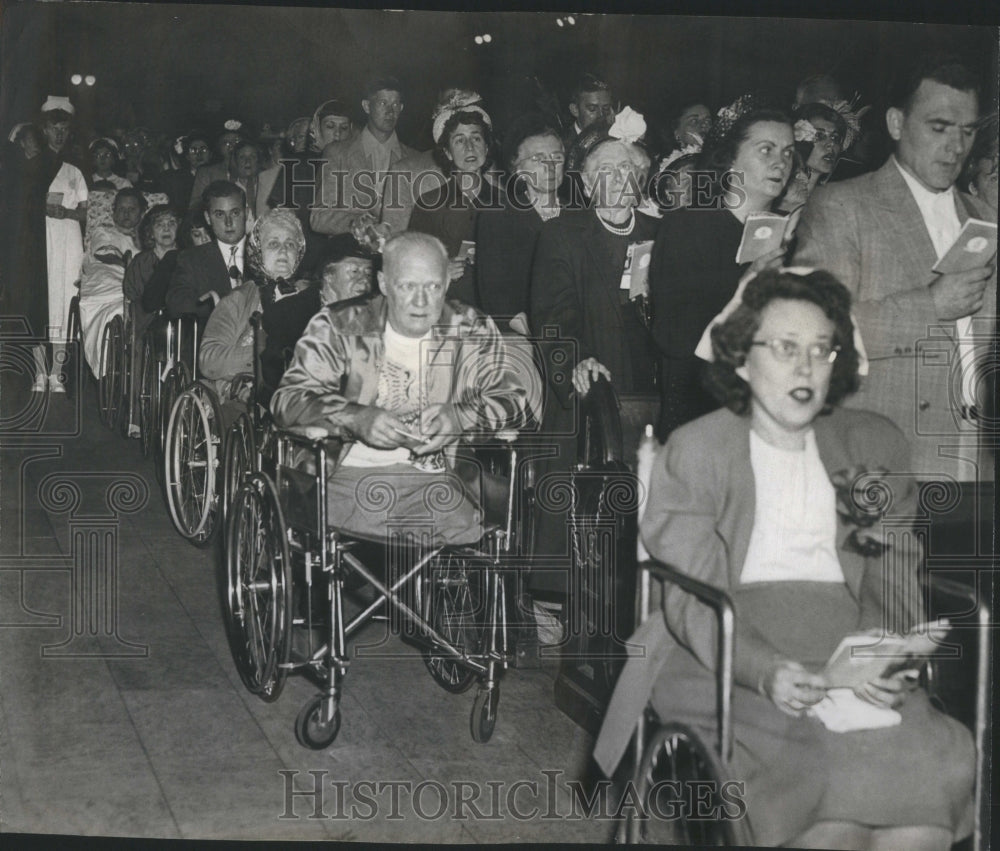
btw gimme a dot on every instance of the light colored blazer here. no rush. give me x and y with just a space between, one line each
343 199
869 233
699 519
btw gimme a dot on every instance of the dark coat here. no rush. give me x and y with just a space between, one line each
200 270
575 288
505 250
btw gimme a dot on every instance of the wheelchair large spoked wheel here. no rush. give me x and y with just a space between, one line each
110 385
675 757
193 458
238 462
149 398
174 383
453 606
259 592
318 723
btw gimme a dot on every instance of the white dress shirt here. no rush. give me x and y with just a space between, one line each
943 226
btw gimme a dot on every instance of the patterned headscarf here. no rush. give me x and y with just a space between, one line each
254 254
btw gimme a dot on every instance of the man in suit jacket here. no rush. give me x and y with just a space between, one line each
350 182
590 101
206 273
927 335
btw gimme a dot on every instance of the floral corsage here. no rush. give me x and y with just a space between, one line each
863 498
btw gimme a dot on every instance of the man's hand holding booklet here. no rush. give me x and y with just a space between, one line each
973 248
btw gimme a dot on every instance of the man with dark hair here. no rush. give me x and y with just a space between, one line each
927 334
350 181
590 101
206 273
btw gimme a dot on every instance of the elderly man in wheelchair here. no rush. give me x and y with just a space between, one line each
394 382
793 519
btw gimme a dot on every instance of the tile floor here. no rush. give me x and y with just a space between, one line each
127 717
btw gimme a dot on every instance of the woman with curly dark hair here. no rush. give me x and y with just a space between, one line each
463 133
752 499
693 272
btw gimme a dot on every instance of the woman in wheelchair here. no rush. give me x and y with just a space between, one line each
103 272
274 250
400 378
746 499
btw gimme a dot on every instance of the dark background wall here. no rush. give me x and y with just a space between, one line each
171 67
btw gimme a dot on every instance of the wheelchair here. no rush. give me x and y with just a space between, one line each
665 750
118 369
210 444
603 560
117 346
288 571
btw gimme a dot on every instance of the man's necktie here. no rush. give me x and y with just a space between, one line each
234 270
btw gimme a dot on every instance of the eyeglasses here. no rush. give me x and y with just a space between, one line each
410 287
787 351
538 159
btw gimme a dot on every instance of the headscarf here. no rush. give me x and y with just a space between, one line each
458 100
334 106
255 255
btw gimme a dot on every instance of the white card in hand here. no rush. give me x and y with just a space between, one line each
762 233
972 249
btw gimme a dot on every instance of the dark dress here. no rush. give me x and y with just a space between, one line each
24 269
578 311
451 216
505 250
284 322
692 276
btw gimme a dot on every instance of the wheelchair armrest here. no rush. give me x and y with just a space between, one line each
718 600
312 434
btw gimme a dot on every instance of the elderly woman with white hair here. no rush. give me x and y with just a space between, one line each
582 286
463 133
274 251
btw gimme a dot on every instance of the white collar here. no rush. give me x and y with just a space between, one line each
226 249
926 199
368 140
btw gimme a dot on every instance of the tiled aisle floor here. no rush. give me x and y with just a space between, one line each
147 730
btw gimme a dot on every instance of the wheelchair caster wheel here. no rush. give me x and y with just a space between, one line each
311 731
484 713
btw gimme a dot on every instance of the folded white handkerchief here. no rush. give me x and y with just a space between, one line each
842 711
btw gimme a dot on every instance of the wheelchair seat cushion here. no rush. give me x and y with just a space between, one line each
396 501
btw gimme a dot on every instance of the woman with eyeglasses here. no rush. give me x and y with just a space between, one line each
581 289
506 235
760 500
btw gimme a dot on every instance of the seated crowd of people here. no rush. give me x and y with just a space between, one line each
394 284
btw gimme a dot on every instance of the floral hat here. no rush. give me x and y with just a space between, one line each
460 100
